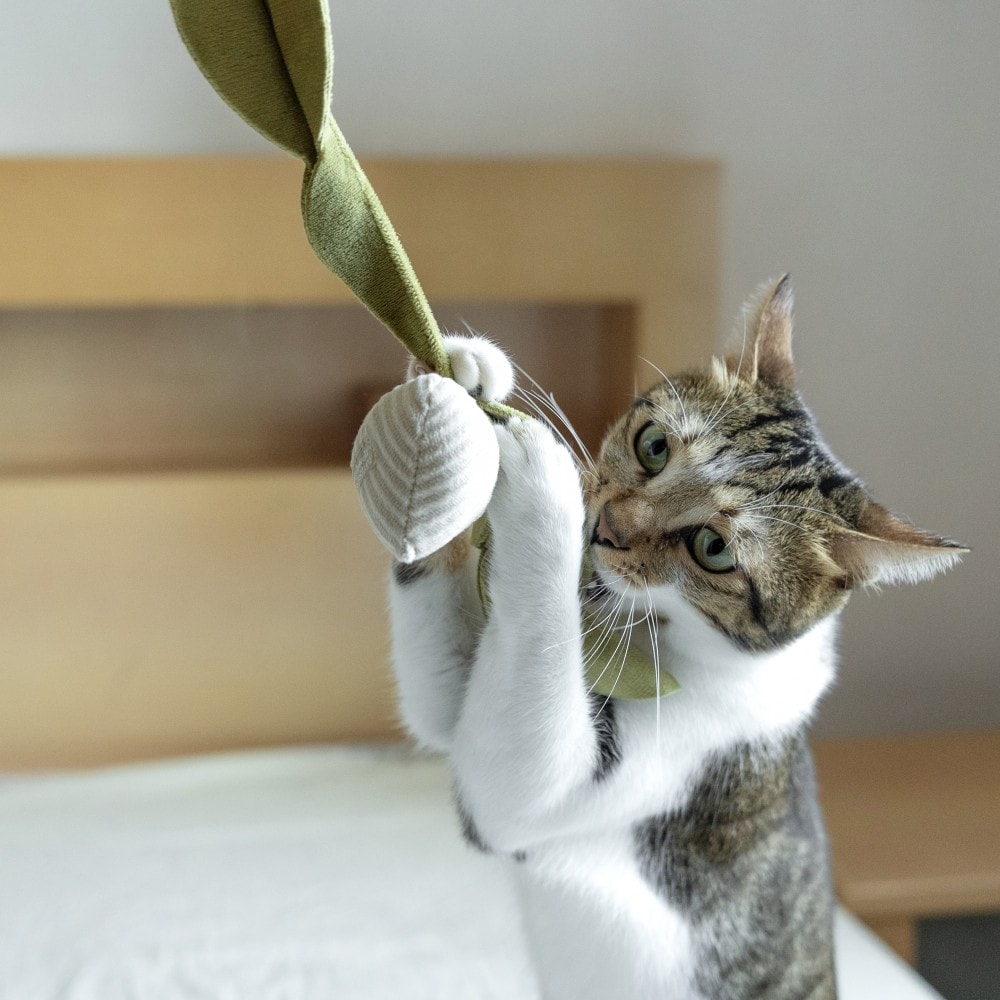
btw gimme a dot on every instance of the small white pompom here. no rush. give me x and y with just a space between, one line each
425 462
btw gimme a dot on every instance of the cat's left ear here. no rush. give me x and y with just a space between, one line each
765 350
887 549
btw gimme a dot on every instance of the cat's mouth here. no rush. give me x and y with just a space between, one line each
607 584
611 564
607 589
596 589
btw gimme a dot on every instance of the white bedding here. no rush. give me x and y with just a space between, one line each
304 874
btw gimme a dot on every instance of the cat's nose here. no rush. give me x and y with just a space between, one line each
603 532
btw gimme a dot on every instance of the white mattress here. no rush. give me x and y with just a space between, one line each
306 874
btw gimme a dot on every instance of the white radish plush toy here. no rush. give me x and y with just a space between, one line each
426 458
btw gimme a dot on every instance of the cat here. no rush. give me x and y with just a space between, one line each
665 847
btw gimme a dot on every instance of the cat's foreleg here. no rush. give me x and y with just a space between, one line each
436 614
525 740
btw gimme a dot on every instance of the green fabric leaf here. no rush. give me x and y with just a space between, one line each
272 62
352 235
624 672
302 28
236 46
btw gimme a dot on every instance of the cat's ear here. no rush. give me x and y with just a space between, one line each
765 350
887 549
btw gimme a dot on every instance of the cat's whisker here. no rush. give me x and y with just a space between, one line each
752 531
716 418
603 593
621 669
654 643
796 506
572 441
537 407
764 498
743 345
624 648
782 520
579 637
673 388
600 677
718 412
532 400
668 418
606 627
760 459
599 644
624 628
549 400
620 647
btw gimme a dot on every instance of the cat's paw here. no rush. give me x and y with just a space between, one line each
478 366
538 496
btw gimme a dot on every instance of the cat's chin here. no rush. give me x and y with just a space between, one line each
606 584
610 588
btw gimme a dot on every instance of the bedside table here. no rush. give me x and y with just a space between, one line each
914 826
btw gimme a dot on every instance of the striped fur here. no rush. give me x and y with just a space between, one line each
746 459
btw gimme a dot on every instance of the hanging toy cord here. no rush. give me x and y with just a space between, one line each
272 62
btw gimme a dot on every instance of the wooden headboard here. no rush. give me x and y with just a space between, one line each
183 563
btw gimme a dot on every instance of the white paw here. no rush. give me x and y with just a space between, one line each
478 366
538 496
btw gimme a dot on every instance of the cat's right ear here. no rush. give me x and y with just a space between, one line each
765 350
887 549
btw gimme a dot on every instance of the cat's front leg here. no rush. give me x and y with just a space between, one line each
525 740
434 611
436 614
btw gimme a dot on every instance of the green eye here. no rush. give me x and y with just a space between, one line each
711 551
651 448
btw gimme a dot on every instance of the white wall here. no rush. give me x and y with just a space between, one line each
862 144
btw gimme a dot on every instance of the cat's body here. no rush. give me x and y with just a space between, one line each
661 848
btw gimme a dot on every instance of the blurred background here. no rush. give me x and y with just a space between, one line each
860 150
859 147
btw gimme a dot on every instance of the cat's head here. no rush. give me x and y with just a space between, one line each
716 488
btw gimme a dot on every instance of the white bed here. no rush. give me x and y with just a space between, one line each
306 874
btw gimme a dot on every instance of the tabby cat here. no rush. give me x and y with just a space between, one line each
662 847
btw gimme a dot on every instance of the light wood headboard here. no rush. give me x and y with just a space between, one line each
163 594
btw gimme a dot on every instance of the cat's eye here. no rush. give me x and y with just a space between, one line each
651 449
711 551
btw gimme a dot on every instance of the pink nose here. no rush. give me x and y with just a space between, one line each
603 534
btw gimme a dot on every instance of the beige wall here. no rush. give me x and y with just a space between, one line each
861 154
183 561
